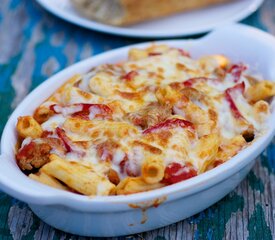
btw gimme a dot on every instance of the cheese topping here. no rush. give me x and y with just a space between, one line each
185 115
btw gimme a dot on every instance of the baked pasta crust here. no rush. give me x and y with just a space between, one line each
126 12
157 119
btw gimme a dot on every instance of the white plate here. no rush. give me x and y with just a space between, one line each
184 24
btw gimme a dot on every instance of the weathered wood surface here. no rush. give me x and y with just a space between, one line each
34 45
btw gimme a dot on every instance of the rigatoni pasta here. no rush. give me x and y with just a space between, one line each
152 169
44 178
27 126
157 119
81 178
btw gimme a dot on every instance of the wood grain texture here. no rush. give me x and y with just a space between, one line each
34 45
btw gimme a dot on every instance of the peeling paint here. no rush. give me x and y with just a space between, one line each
257 227
36 46
255 183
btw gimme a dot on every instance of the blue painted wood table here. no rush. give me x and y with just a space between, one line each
34 45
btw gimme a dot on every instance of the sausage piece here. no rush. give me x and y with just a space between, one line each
33 155
150 115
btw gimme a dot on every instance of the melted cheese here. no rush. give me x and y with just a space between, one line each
54 122
149 80
246 110
226 120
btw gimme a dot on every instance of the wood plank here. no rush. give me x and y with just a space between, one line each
34 45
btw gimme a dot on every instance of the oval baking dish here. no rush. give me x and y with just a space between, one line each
122 215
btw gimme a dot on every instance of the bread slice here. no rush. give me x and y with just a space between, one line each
127 12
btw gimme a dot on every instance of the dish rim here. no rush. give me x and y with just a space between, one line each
140 33
52 196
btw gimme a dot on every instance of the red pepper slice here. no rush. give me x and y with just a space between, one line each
86 108
170 123
236 71
52 108
130 76
68 144
176 172
238 87
105 111
83 115
26 151
66 141
151 54
190 82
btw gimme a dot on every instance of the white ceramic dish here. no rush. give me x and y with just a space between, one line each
114 215
184 24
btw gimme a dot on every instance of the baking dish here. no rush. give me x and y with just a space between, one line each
121 215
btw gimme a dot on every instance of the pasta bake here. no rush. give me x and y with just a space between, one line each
157 119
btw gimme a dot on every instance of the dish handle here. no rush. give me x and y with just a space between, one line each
15 183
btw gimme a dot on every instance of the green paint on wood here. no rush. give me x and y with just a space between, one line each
159 238
59 234
6 90
257 226
255 183
265 163
211 223
5 204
